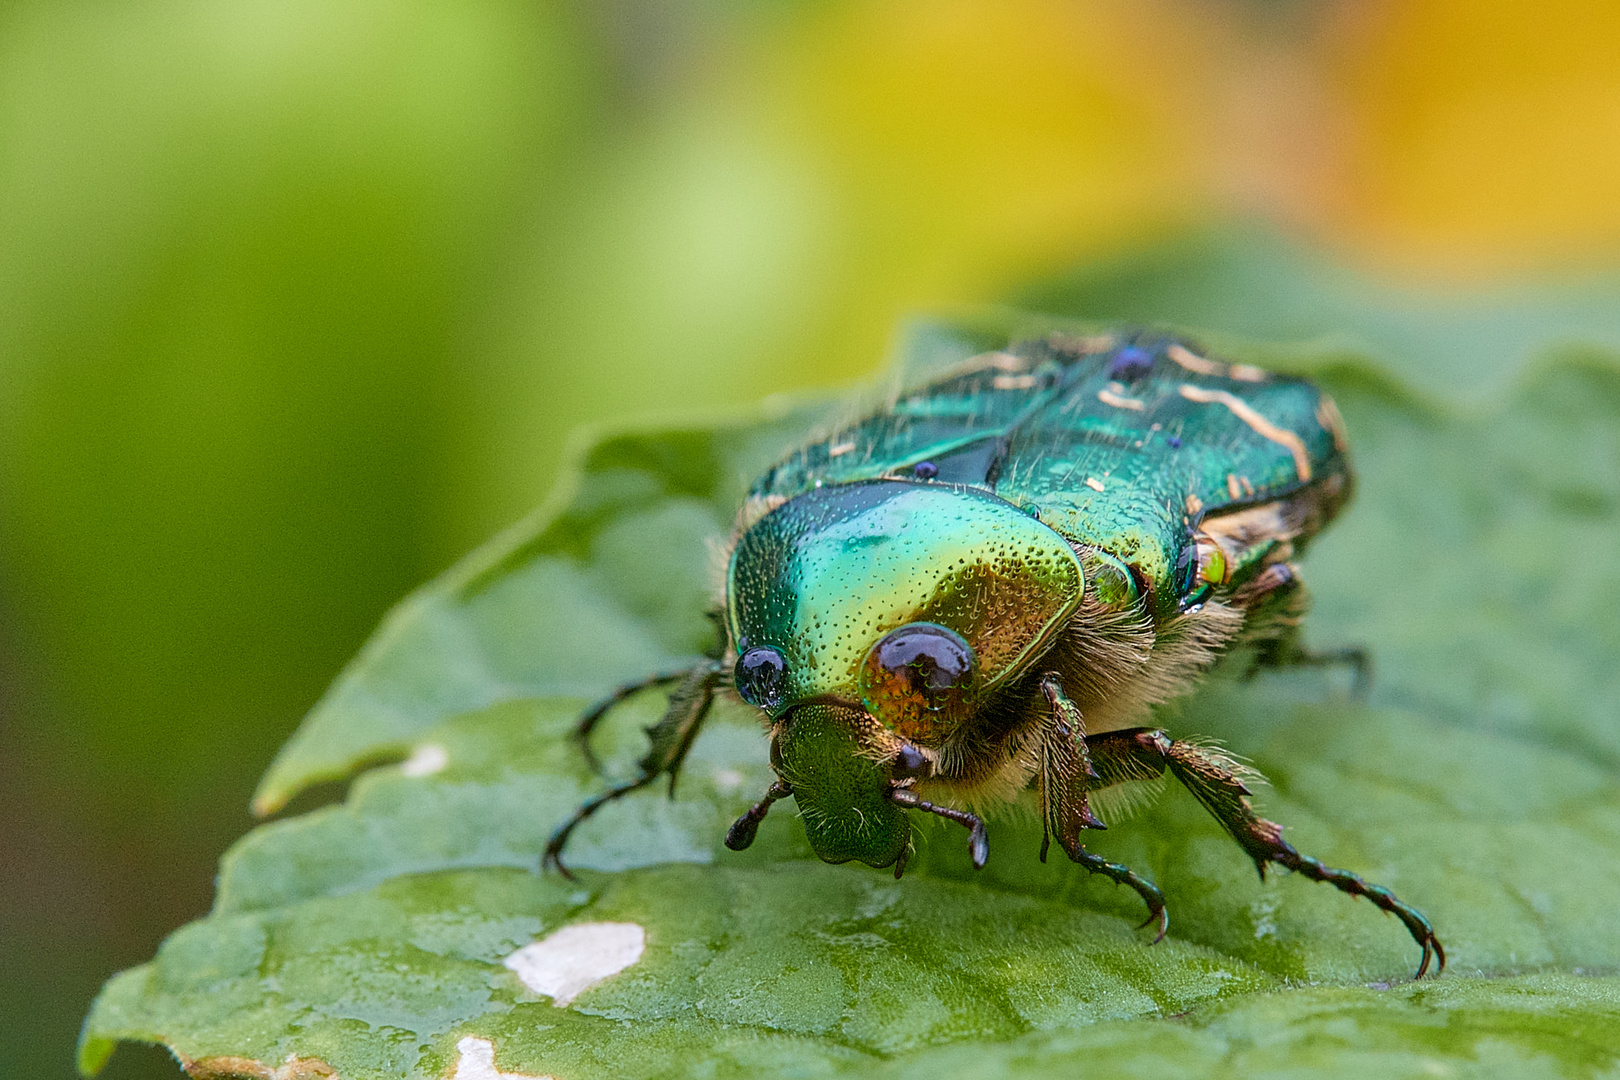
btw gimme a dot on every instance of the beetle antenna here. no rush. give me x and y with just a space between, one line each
742 831
978 844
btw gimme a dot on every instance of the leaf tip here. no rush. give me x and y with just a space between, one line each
94 1050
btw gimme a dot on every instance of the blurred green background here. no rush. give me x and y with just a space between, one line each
299 299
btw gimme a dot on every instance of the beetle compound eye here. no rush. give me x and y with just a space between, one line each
915 672
761 677
923 659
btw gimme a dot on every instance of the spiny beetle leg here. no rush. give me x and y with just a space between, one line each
1357 659
1216 781
1278 593
669 740
1066 775
1345 881
978 843
559 839
744 829
593 716
1064 772
1158 914
672 737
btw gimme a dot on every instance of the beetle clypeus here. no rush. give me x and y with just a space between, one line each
985 586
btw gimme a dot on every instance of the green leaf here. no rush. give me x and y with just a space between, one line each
1480 782
570 602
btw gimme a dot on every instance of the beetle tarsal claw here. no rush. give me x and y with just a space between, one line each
978 842
1159 918
552 859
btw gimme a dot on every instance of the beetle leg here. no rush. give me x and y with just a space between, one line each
1289 653
1066 776
592 716
1064 771
978 843
742 831
1158 914
1276 600
1217 783
1213 782
671 738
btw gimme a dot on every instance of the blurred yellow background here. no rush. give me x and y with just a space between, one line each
299 300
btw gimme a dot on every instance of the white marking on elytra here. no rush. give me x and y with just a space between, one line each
570 961
1081 345
1327 414
425 760
1193 362
1120 401
477 1062
1263 427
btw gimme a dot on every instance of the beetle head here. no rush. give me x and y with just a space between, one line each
870 620
838 761
913 601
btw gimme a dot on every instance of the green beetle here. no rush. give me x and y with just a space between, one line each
986 586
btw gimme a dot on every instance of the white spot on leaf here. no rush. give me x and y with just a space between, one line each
570 961
425 760
477 1062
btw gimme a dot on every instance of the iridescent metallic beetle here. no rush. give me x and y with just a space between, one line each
985 586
